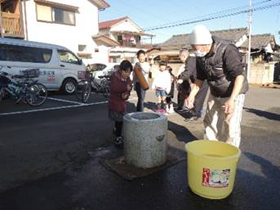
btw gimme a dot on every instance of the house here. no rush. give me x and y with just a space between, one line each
263 59
121 39
69 23
263 51
11 19
169 50
263 47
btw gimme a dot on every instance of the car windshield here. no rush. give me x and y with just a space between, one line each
96 67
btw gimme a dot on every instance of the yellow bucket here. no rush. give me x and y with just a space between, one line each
211 168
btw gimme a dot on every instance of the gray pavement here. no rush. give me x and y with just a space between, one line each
50 160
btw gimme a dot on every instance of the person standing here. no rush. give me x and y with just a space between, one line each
162 85
170 95
145 68
120 87
190 75
220 64
183 85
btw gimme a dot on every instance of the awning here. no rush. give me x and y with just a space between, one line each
103 39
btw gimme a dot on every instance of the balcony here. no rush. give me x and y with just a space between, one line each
12 25
130 43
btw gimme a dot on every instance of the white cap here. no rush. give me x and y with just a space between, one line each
200 36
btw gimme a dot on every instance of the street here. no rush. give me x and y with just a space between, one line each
50 158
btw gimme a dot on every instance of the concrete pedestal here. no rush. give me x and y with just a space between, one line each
145 139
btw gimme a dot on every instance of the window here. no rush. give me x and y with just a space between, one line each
44 13
63 16
97 67
68 57
55 15
24 54
82 48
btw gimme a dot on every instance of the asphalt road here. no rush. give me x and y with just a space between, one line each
49 159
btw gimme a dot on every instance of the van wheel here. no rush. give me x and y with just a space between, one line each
69 86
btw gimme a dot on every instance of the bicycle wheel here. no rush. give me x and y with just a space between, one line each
83 90
105 88
36 94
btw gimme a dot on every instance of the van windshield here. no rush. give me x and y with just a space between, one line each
67 57
24 54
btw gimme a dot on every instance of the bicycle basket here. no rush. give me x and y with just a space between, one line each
31 73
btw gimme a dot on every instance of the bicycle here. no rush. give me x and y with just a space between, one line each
23 88
84 87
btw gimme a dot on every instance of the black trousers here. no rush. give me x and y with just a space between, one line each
183 92
141 93
118 126
199 99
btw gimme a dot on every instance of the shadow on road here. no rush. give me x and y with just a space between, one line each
181 132
268 169
268 115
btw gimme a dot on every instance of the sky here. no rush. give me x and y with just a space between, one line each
150 13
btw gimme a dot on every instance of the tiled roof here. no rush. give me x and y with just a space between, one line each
259 41
182 40
109 23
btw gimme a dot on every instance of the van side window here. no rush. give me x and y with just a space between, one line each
67 57
24 54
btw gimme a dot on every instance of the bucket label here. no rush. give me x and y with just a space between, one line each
215 178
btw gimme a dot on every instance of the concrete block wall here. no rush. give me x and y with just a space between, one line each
262 73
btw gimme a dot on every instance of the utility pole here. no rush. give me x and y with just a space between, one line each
25 20
249 45
1 22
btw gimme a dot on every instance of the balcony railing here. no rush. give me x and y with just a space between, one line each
12 25
129 43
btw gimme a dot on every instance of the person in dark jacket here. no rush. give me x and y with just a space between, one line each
221 65
183 85
188 76
170 95
120 87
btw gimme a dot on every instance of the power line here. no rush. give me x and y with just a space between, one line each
208 15
215 17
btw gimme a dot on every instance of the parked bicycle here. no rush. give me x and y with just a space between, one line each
99 85
23 87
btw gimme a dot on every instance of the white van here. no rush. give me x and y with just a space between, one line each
60 69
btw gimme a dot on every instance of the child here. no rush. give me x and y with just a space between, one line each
145 68
162 84
120 87
170 95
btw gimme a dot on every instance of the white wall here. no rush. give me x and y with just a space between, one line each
103 55
125 26
65 35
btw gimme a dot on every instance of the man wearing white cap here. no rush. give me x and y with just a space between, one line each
220 64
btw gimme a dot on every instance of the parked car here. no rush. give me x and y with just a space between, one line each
102 69
60 69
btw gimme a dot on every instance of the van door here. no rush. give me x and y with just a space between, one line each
72 70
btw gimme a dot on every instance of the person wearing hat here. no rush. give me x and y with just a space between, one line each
220 64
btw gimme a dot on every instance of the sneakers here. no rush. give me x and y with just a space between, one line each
171 109
158 105
193 118
179 109
118 141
